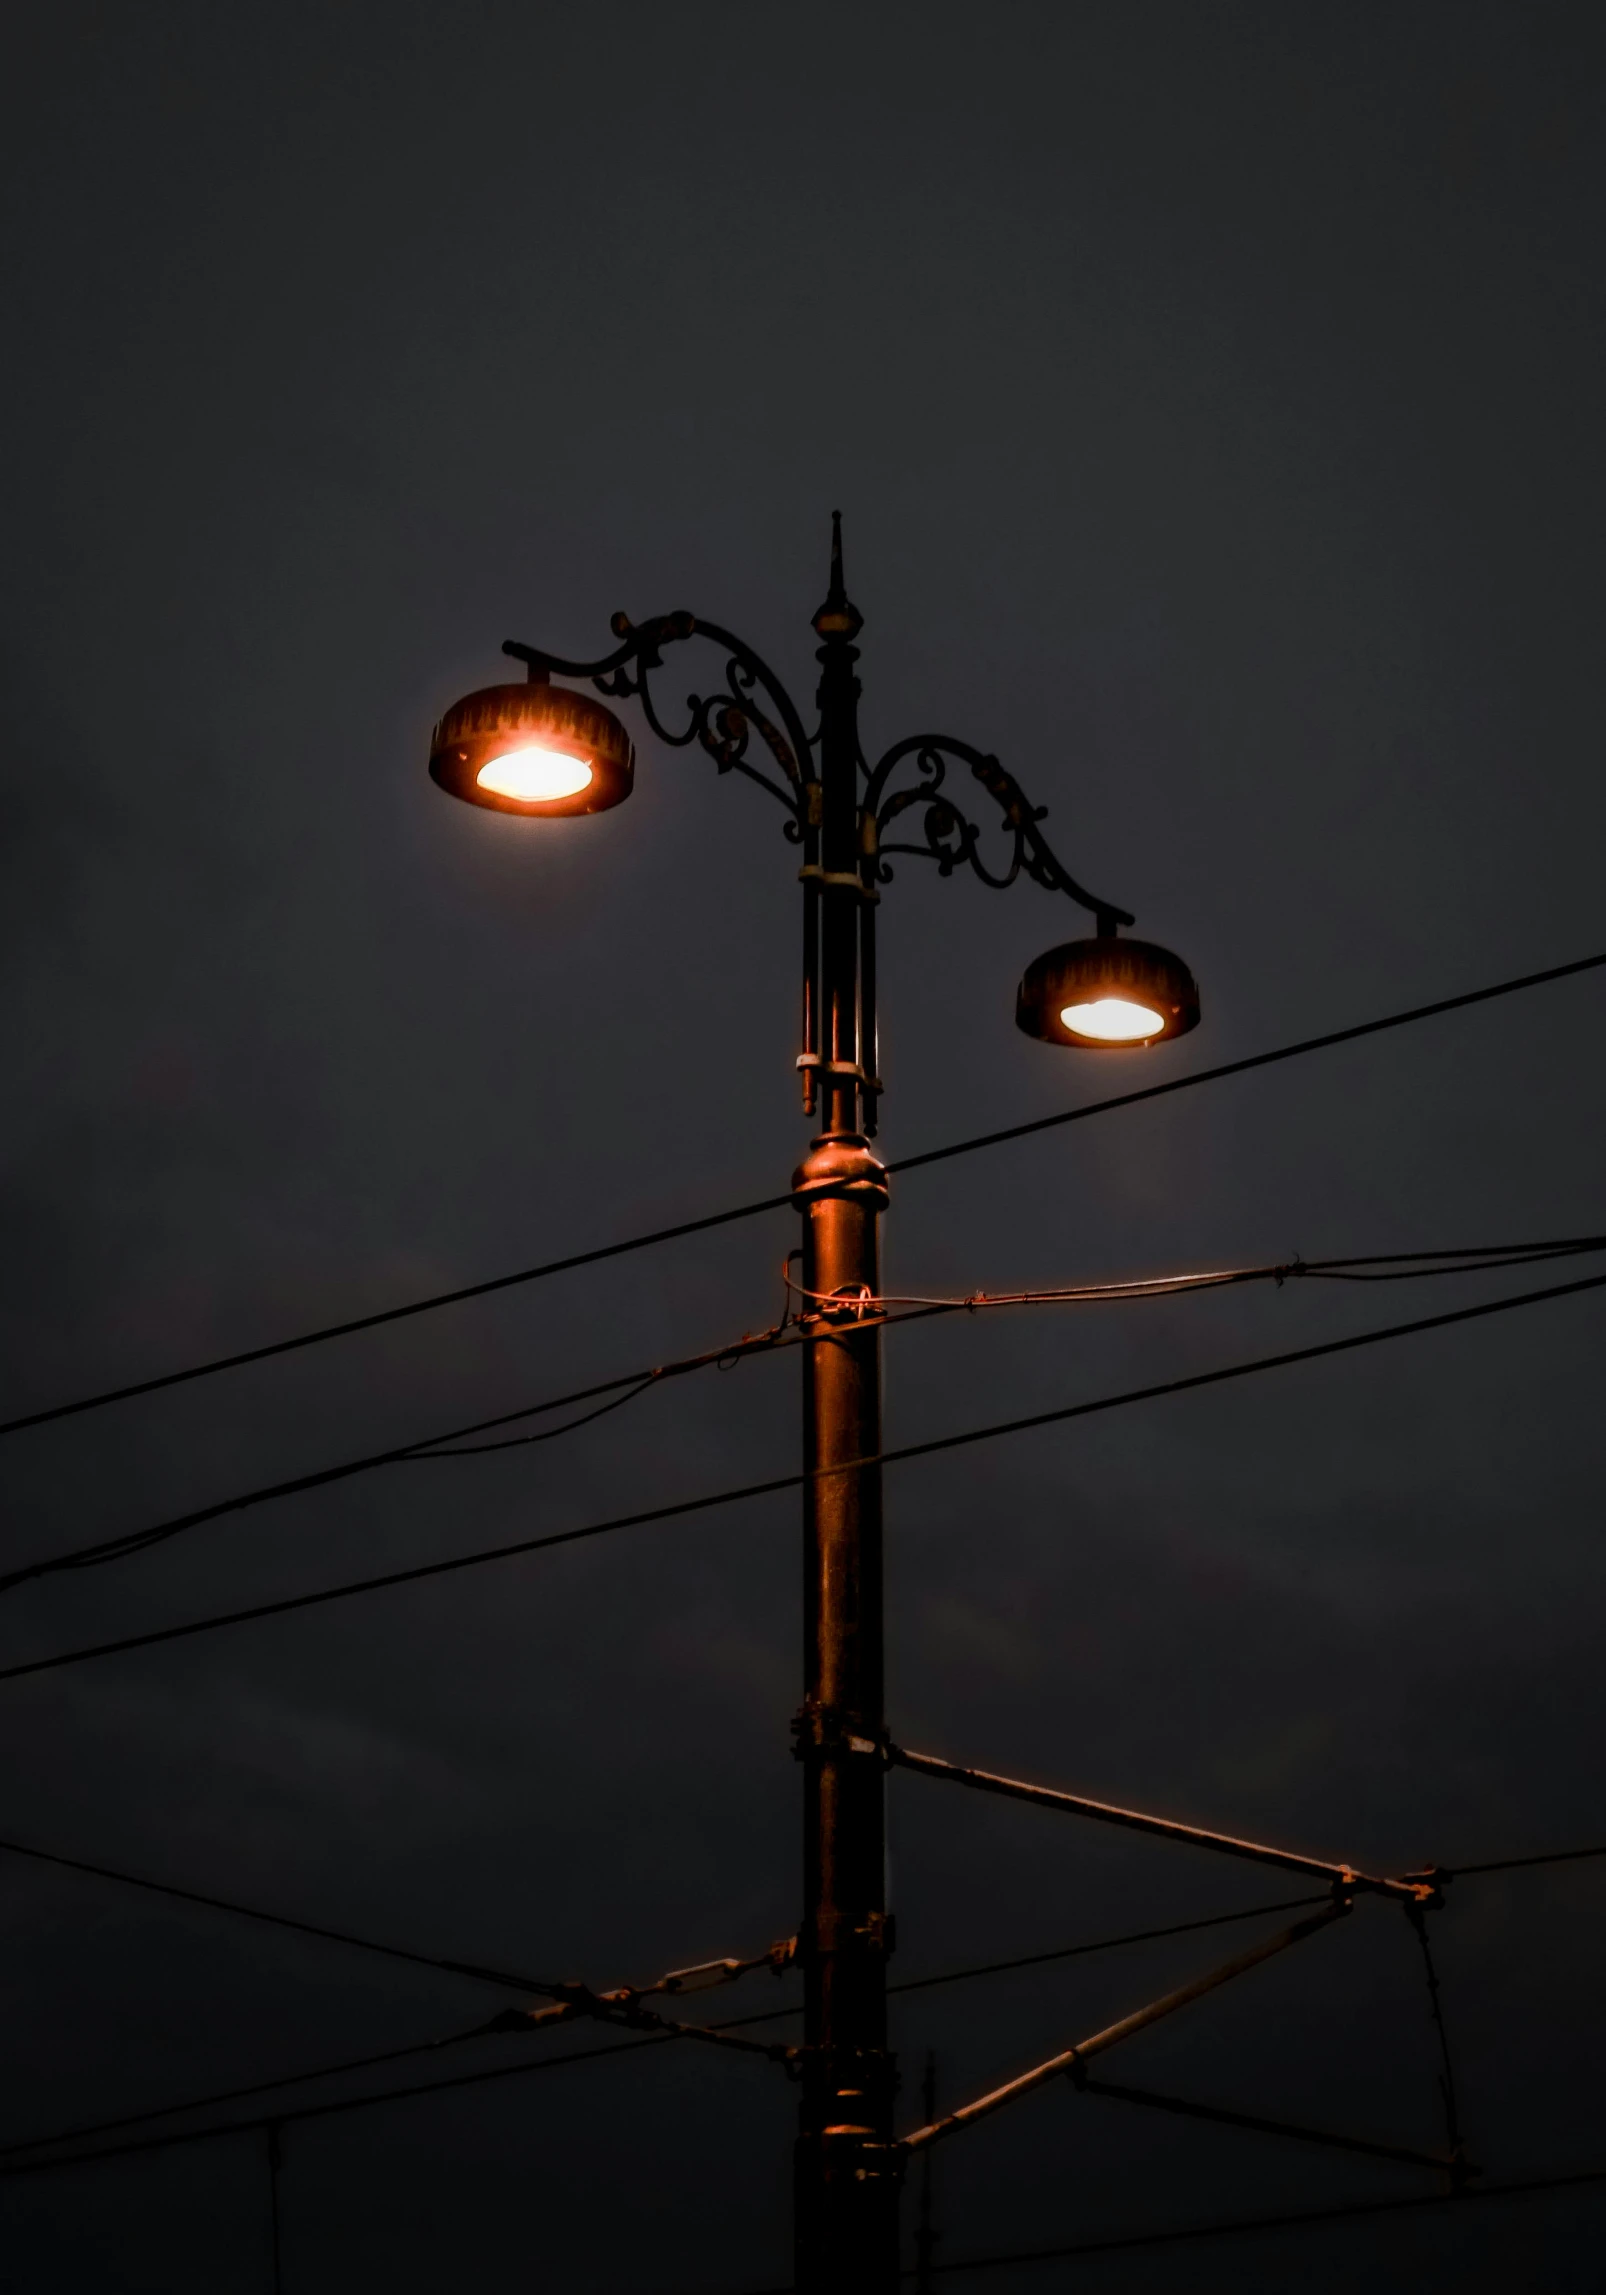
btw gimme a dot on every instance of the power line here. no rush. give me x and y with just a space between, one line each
371 1322
1241 1067
633 1383
481 2031
1381 1267
479 1971
1292 2220
1398 1266
11 2166
1521 1864
239 2095
708 1500
1101 1944
780 1202
132 1542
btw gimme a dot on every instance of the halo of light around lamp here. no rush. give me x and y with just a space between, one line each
1106 995
537 749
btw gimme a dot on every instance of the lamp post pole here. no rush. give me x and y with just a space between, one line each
542 750
846 2204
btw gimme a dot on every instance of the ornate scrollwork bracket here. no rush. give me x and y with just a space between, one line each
952 839
749 701
749 724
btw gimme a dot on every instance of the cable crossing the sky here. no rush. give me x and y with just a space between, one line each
708 1500
1400 1266
17 2157
354 1324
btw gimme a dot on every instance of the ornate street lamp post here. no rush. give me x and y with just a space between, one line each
541 750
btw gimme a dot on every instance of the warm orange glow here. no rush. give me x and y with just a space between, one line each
1113 1020
534 775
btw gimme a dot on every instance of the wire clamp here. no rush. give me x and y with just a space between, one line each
825 1730
816 1064
839 880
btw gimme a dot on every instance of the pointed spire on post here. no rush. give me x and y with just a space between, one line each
838 617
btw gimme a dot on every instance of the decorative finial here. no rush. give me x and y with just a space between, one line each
838 617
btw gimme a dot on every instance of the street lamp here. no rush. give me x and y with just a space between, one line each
1106 993
543 750
533 749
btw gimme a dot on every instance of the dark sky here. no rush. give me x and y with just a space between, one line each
1213 395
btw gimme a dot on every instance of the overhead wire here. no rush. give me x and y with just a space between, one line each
128 1543
239 2095
634 1383
10 2167
485 2029
425 1306
12 2164
706 1501
461 1292
1242 1067
1380 1267
481 1972
1521 1864
1292 2219
1099 1944
679 1980
1484 1257
894 1309
1375 1267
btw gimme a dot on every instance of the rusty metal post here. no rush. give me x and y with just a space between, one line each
847 2175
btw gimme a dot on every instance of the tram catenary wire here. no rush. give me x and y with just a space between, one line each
418 1572
1385 1267
479 2031
480 1290
12 2165
1294 2219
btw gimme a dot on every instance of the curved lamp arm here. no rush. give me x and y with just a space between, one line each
818 786
951 838
721 722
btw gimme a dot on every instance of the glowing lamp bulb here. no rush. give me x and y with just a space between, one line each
1105 993
534 775
539 749
1112 1020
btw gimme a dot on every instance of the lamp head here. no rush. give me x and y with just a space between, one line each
1107 993
537 749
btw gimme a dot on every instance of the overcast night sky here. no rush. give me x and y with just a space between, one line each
1212 393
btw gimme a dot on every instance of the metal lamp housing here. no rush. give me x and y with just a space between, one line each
501 720
1109 970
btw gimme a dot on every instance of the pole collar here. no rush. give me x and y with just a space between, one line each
840 1164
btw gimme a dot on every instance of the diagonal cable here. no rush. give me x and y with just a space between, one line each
322 1932
1293 2219
1396 1266
1242 1067
536 1274
708 1500
10 2166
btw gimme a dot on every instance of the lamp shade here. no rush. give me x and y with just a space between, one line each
537 749
1107 993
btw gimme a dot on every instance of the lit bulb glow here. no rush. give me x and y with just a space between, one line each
533 775
1112 1020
